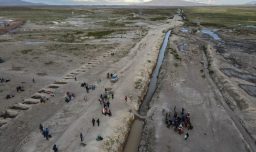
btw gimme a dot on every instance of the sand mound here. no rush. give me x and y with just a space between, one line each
2 122
20 106
31 101
9 113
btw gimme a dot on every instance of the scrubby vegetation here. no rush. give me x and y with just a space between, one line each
100 34
221 16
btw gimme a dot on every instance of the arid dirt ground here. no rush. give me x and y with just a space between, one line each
86 44
213 79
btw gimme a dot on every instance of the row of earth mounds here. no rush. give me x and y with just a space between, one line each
43 94
249 89
40 96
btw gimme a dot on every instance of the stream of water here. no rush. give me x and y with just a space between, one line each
137 127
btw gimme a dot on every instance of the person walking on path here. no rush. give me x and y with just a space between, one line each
41 128
93 121
98 122
81 137
87 89
33 80
186 136
112 95
55 148
47 133
108 104
125 98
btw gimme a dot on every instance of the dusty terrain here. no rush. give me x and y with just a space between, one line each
87 47
212 77
209 70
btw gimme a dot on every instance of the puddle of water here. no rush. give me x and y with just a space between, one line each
251 26
250 89
184 30
211 34
183 47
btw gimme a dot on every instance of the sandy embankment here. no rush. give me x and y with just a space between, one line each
235 98
116 140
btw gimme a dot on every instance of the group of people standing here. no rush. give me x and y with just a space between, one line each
180 121
69 96
104 101
93 122
88 87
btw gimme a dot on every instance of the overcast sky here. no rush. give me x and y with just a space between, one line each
63 2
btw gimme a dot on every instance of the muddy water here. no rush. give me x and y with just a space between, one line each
137 127
211 34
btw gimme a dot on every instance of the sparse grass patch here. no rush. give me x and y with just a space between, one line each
114 24
138 84
68 37
26 51
17 68
158 18
49 63
176 64
100 34
220 16
175 54
42 74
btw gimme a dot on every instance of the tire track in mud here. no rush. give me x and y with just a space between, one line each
247 138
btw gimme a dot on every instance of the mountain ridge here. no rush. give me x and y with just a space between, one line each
16 3
171 3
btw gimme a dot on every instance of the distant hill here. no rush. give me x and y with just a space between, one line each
171 3
251 3
15 3
104 2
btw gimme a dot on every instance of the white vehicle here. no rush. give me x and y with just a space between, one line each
114 78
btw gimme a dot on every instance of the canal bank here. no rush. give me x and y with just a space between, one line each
138 124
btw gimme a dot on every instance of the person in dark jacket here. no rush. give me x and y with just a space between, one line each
93 121
55 148
41 128
46 133
81 137
98 122
186 136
